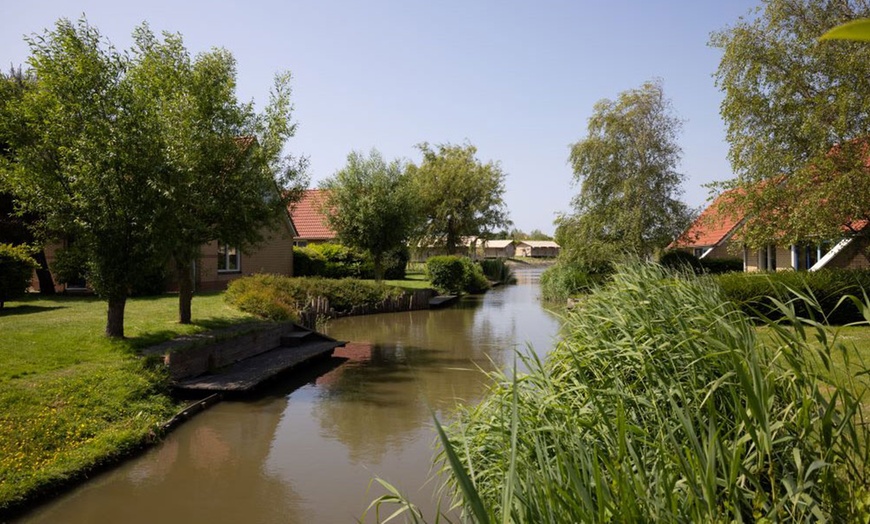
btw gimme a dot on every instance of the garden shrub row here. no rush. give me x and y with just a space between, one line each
455 274
713 266
755 293
277 297
337 261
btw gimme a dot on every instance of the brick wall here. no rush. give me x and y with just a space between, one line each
273 255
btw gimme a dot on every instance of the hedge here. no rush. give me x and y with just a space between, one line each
754 293
16 269
338 261
455 274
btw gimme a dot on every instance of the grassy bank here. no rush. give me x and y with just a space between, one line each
71 399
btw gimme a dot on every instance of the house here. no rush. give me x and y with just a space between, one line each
711 235
498 248
218 263
715 234
309 220
537 248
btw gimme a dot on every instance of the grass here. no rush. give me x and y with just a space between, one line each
414 279
71 399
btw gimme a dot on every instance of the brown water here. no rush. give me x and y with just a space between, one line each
307 450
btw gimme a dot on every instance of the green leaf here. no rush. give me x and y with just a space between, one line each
855 30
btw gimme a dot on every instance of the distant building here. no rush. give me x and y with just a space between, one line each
537 248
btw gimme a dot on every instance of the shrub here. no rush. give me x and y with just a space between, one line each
567 279
16 270
455 274
447 273
660 404
396 263
497 270
756 293
308 262
343 262
679 260
277 297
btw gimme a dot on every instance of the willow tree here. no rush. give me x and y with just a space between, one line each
459 196
798 119
370 205
629 184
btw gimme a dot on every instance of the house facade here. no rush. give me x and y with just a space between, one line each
537 248
218 264
499 248
309 220
715 234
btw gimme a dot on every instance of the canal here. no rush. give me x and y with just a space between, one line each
307 449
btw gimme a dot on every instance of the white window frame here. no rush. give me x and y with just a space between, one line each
225 253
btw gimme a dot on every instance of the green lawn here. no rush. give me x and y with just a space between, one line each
413 280
69 397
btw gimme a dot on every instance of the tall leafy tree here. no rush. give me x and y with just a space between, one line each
86 156
798 119
629 184
222 160
459 195
370 205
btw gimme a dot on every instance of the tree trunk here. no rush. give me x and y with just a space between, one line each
46 282
379 267
185 290
115 321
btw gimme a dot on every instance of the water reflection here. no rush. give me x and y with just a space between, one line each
307 450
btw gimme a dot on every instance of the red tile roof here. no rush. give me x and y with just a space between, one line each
309 220
712 227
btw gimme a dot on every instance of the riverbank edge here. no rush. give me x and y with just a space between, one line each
57 487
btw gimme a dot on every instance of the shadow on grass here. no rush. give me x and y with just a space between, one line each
152 338
26 309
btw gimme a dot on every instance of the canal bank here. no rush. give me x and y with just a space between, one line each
307 450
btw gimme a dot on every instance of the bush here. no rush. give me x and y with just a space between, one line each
16 270
396 263
660 404
455 274
277 297
567 279
497 270
447 273
307 262
679 260
755 293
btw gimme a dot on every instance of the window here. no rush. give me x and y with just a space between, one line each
698 252
300 243
228 259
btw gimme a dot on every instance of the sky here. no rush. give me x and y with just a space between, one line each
516 79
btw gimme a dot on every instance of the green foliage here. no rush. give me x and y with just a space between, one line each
279 297
447 273
370 205
16 270
798 117
629 186
762 293
458 195
455 274
396 263
497 270
681 260
308 262
661 405
567 279
854 30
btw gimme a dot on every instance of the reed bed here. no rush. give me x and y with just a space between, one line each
661 404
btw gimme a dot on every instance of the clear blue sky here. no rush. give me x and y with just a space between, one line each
516 79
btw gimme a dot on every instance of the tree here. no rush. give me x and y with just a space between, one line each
459 196
370 205
629 184
18 228
221 158
798 119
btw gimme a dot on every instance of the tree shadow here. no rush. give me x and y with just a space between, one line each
26 309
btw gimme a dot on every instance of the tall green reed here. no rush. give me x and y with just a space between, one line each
662 404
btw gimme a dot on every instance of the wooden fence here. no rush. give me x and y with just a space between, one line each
319 309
